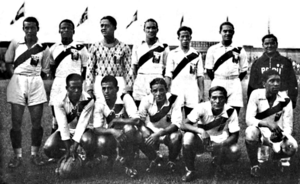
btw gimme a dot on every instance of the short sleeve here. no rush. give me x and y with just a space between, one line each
209 61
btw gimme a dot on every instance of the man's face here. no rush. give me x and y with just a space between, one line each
270 45
30 29
109 90
272 85
66 30
217 100
107 29
74 89
227 33
159 92
150 29
185 38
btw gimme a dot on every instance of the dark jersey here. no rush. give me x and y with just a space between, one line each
283 66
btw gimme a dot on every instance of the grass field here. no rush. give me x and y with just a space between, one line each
30 174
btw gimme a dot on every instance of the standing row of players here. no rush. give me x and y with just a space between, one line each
150 61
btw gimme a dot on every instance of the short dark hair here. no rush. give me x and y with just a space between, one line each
269 36
226 23
158 81
151 20
73 77
32 19
111 20
184 28
110 78
66 21
218 88
268 73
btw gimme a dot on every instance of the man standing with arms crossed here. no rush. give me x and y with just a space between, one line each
108 57
27 59
184 71
227 65
148 60
66 57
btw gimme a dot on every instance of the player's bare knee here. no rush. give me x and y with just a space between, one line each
252 134
188 138
87 138
175 137
234 152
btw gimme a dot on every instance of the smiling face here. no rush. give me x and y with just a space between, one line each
270 45
227 33
107 29
150 29
159 92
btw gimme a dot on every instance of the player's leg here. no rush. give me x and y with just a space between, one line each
54 147
191 145
127 148
149 151
106 145
252 140
36 112
17 112
173 141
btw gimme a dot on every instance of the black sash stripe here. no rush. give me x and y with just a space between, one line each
149 55
62 56
27 54
117 109
77 111
273 110
164 111
225 57
183 63
218 122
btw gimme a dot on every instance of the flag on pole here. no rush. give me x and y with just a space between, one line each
181 21
134 18
84 17
269 31
20 13
227 19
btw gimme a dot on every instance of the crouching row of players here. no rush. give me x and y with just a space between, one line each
211 126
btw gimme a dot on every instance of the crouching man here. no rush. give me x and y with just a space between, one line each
161 114
270 122
115 120
211 126
72 112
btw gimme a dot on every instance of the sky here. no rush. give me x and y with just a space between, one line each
250 18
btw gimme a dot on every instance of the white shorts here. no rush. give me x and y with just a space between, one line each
189 91
26 90
98 89
58 89
141 87
233 88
